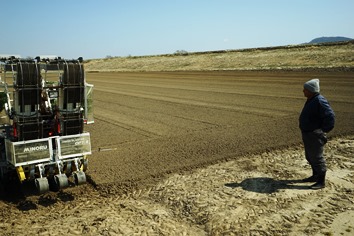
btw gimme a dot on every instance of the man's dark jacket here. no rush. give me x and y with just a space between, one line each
317 114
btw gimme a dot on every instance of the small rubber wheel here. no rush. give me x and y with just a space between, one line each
61 181
79 177
42 185
68 169
84 165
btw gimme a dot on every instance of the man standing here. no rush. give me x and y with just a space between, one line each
317 118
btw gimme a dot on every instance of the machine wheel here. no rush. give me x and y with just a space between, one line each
51 171
84 165
9 183
79 177
2 176
32 171
61 181
42 185
2 189
68 169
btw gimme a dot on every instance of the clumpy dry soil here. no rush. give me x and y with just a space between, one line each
201 153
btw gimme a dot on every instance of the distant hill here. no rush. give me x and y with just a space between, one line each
332 56
329 39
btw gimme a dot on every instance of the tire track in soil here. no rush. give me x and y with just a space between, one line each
229 89
239 108
125 124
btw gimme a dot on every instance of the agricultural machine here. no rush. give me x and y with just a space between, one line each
44 105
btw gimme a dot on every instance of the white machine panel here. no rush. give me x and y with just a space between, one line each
29 152
74 145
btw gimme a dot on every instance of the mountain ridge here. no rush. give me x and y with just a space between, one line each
330 39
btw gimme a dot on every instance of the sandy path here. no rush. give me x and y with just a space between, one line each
253 195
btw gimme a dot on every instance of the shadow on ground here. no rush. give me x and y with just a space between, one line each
267 185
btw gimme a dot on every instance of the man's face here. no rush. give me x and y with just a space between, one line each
307 93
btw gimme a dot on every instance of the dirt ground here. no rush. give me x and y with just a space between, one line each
201 153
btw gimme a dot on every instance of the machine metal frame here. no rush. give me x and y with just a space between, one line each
46 102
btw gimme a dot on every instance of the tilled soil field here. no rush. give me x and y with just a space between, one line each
201 153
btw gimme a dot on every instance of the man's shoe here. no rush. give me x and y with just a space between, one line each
313 178
320 182
318 185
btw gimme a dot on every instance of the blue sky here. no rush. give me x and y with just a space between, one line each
101 28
